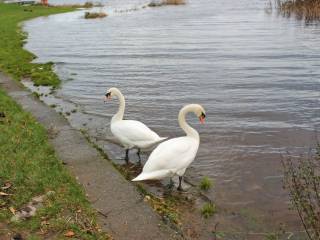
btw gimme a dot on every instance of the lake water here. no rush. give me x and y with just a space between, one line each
256 74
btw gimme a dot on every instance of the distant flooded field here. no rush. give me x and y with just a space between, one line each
257 75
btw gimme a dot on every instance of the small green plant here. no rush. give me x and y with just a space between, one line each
302 180
205 184
271 236
208 210
277 235
36 95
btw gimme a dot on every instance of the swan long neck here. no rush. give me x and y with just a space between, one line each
122 103
191 132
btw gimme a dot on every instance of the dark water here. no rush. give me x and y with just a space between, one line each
256 74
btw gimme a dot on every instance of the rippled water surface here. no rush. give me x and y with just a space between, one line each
256 74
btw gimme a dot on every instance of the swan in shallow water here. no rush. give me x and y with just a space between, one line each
173 156
130 133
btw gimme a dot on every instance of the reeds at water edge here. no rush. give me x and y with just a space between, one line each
308 10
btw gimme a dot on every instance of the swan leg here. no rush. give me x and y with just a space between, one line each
138 153
127 156
180 187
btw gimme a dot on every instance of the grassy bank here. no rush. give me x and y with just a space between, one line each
29 168
14 60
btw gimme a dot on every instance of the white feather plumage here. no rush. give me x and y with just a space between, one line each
173 156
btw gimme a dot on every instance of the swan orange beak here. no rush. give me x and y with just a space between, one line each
201 119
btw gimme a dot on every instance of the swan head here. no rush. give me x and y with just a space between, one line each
201 113
112 92
197 109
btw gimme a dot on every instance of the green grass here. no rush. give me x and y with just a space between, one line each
205 184
30 165
16 61
208 209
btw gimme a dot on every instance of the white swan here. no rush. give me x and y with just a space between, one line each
172 157
130 133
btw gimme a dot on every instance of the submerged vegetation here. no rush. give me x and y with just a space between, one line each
88 5
14 60
309 10
92 15
174 2
205 184
302 180
29 171
208 210
166 2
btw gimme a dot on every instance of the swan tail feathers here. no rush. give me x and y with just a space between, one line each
153 175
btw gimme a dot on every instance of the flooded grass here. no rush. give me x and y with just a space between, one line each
308 10
166 2
174 2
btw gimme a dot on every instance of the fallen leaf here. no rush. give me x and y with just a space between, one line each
69 234
6 186
4 194
12 210
45 222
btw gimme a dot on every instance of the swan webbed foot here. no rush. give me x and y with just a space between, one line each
180 189
126 158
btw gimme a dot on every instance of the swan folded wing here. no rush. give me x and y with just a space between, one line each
134 131
174 154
